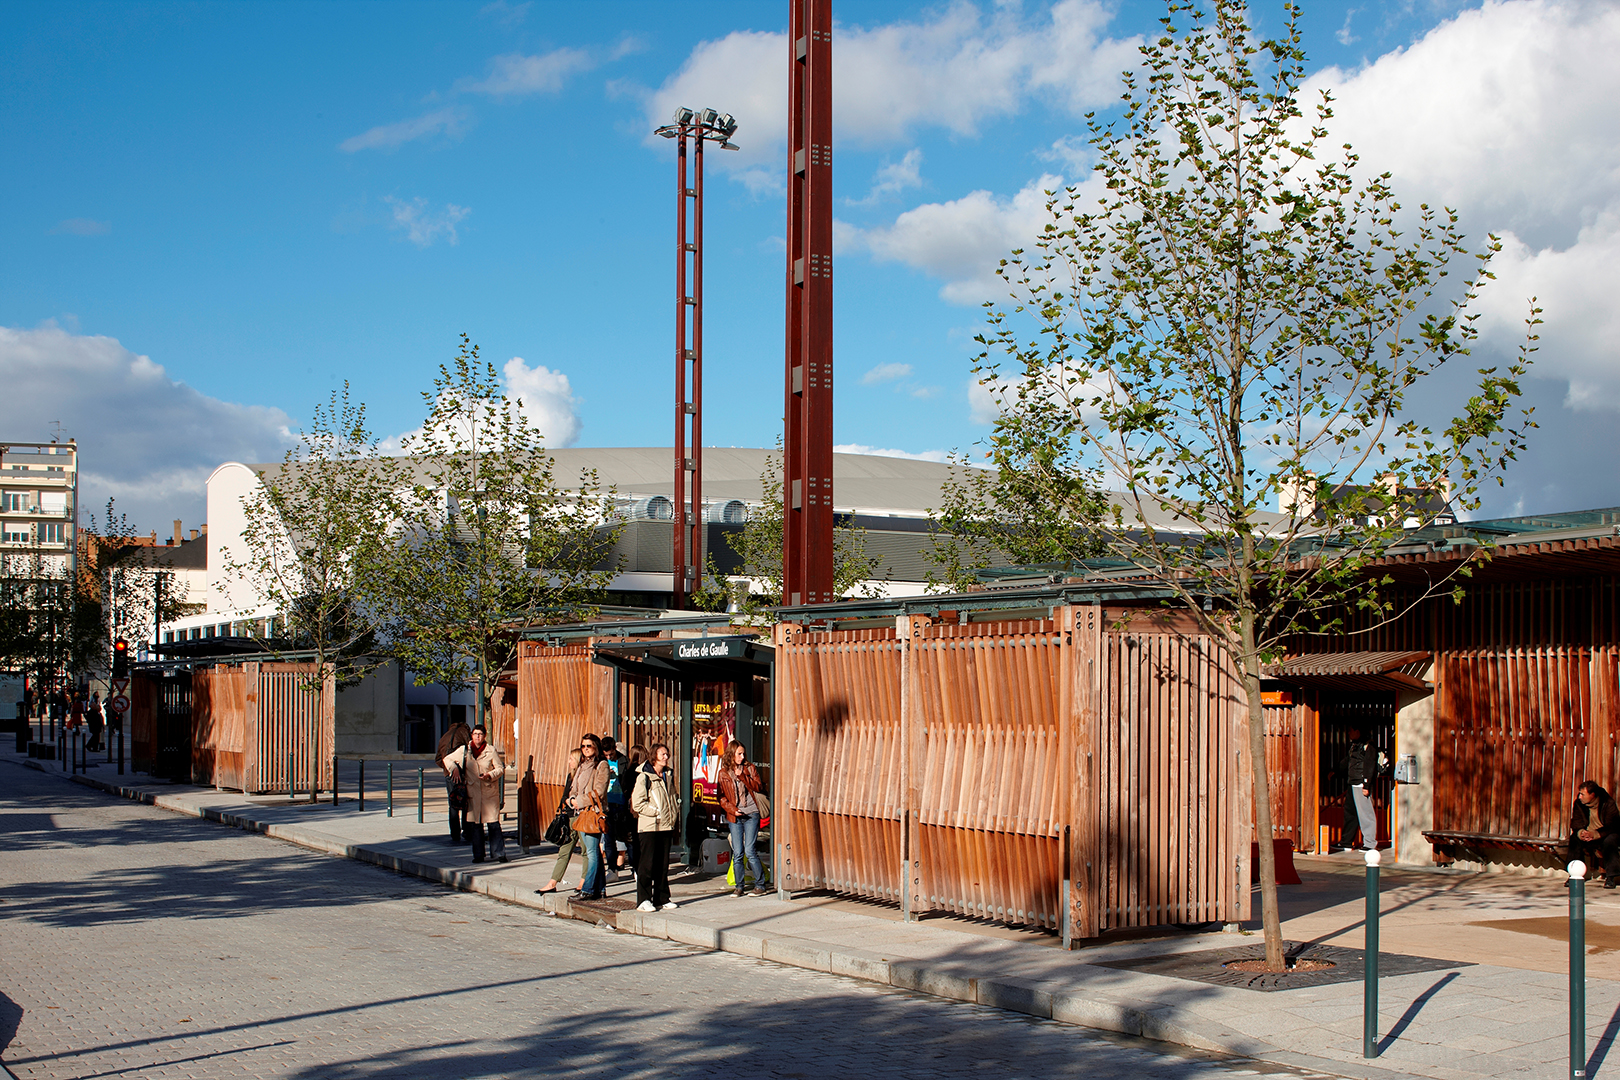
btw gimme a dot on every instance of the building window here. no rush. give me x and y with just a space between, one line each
14 502
14 533
168 637
55 532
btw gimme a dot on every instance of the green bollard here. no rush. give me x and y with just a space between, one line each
1369 1001
390 789
290 795
334 779
361 787
419 785
1577 969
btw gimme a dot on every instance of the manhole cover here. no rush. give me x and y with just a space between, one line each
1224 967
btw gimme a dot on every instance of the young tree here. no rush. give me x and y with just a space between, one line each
759 548
318 531
1224 320
490 543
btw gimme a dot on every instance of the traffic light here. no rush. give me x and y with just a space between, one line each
120 658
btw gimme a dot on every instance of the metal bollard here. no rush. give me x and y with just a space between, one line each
360 790
420 774
120 751
1577 969
390 789
334 780
290 777
1369 1002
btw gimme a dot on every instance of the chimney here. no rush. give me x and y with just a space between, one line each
177 536
205 528
154 538
194 534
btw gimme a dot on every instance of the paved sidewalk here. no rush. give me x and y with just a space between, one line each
1506 1015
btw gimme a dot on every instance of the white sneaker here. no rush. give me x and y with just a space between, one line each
646 905
671 906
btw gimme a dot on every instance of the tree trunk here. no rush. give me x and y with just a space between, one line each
1270 918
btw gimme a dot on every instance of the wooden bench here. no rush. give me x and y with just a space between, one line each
1446 841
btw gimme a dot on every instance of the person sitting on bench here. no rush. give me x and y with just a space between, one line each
1594 831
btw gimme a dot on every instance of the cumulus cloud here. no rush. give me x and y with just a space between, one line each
82 227
450 122
1506 113
961 241
957 68
515 74
883 373
546 398
422 224
878 451
894 178
143 438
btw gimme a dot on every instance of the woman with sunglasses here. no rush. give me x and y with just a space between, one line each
585 793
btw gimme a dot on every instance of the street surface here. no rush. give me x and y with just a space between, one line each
139 943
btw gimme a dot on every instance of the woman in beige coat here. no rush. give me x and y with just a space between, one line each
657 805
481 764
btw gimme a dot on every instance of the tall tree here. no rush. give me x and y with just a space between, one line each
318 532
1226 320
490 542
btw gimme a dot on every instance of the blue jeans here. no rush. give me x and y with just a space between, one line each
595 879
744 831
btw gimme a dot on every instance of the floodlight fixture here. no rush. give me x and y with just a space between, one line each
683 116
706 118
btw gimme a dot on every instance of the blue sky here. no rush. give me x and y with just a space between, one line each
267 199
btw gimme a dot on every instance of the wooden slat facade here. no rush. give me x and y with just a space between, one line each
980 768
246 720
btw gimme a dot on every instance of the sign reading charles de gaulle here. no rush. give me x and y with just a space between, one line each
715 648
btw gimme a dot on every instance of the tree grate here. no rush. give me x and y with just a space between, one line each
1349 965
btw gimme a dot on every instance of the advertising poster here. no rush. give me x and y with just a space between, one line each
713 727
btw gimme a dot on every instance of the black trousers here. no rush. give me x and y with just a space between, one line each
458 818
496 840
652 869
1600 856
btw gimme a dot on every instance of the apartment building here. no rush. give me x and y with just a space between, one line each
39 508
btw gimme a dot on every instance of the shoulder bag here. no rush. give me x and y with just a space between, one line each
591 820
459 798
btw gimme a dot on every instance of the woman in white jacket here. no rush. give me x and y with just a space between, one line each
657 805
481 764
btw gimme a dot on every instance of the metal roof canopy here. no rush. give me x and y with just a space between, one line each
726 658
1354 671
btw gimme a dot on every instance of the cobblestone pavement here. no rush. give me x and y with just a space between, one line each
141 944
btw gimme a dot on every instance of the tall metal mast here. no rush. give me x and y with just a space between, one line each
807 533
690 130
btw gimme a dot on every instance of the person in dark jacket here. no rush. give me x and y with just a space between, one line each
1361 769
458 736
1594 832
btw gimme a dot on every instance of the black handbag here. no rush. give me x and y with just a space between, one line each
459 797
561 829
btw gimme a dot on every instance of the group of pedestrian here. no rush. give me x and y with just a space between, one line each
642 834
76 711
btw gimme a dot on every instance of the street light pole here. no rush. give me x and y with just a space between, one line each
690 129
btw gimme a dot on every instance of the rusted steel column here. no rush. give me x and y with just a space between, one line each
807 534
907 629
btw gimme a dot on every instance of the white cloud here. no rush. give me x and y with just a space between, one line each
83 227
546 398
505 14
422 225
877 451
894 178
391 136
962 241
143 438
957 68
885 373
1507 113
516 74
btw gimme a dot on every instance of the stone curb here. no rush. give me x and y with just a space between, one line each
1097 1011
